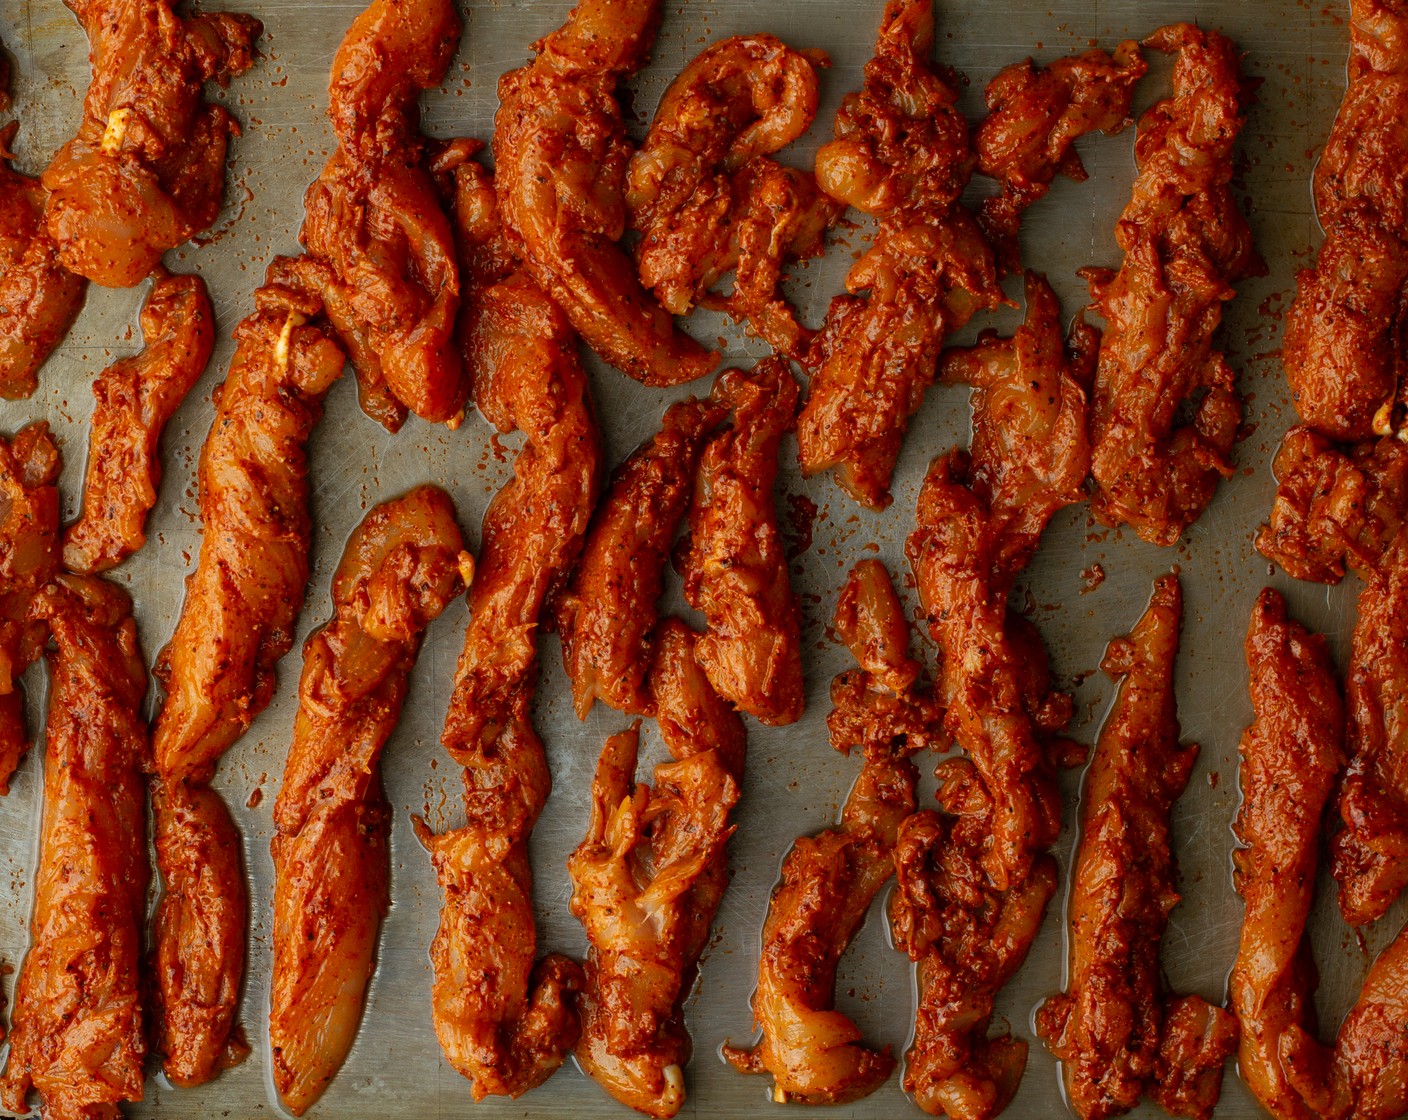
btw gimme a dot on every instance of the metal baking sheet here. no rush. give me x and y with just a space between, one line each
794 782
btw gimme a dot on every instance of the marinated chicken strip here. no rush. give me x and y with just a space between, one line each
1185 243
608 616
77 1029
1035 115
146 170
706 198
1343 345
647 880
814 1052
735 568
29 559
135 398
39 297
237 622
1118 1034
374 220
403 565
1291 756
901 153
561 156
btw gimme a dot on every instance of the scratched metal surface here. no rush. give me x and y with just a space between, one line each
794 782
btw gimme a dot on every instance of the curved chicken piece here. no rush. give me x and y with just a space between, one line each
374 220
146 170
902 154
1185 242
735 569
1291 756
1115 1029
707 200
560 154
607 617
29 559
647 880
1342 349
814 1052
237 622
403 565
1035 115
39 297
77 1033
135 398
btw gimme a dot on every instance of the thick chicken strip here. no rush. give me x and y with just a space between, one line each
561 154
146 170
814 1052
29 559
375 221
403 565
1118 1034
608 615
706 198
902 154
648 878
237 622
1035 115
39 297
735 569
135 398
1343 343
1291 755
1185 242
77 1036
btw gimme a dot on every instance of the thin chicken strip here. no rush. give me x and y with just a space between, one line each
735 568
1291 756
77 1029
403 565
374 220
706 198
1035 115
814 1052
1117 1032
647 880
237 622
135 398
561 155
1343 349
146 170
901 153
29 559
608 615
1185 243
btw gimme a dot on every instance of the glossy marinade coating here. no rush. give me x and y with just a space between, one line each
561 154
1117 1032
902 154
402 566
241 604
146 170
814 1052
1291 756
29 559
608 615
1035 115
648 878
735 568
706 198
134 399
375 222
1185 242
77 1028
1342 349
